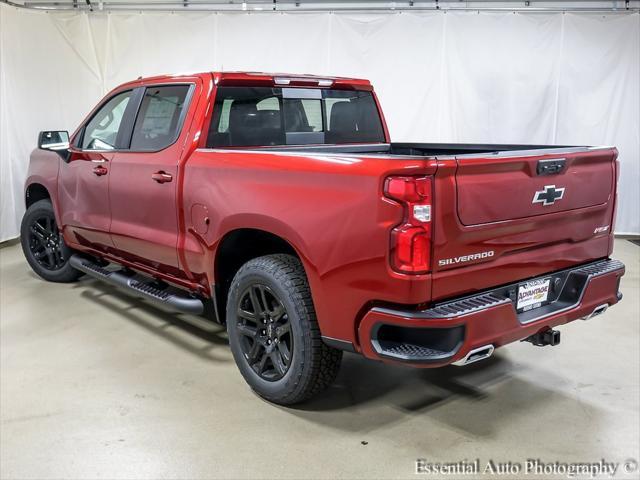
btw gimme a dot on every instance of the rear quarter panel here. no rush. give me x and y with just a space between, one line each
330 208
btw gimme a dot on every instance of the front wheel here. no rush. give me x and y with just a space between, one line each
273 332
43 245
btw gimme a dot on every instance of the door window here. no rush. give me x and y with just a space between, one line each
102 130
159 118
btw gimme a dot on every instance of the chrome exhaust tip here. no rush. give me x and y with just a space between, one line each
475 355
599 310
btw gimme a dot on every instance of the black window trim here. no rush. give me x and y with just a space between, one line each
125 133
129 120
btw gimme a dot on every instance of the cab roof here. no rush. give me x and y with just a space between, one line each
266 79
286 79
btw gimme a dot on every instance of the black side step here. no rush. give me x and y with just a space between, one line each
147 291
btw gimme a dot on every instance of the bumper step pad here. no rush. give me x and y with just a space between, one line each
436 334
409 351
464 306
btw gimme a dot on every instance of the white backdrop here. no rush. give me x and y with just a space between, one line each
441 77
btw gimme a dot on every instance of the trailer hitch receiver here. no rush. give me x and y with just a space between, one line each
544 338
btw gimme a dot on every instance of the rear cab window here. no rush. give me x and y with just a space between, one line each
271 116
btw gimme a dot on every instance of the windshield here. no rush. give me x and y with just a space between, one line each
265 116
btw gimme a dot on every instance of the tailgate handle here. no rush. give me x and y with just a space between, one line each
550 167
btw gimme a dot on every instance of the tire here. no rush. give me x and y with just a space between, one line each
287 324
43 245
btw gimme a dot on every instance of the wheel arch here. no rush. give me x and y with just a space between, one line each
35 192
236 248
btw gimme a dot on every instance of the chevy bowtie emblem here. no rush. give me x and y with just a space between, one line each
549 195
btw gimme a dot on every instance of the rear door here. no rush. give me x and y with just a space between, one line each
144 178
508 216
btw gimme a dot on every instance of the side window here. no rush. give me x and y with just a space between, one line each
158 122
329 105
101 131
313 111
224 115
270 103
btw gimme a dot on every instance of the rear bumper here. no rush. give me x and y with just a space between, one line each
447 332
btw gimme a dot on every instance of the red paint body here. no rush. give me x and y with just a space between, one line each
331 208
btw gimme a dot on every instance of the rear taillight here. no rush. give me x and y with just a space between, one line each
411 240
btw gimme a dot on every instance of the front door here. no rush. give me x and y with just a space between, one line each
83 183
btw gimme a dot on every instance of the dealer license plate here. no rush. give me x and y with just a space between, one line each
532 294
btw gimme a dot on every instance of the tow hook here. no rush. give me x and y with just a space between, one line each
544 338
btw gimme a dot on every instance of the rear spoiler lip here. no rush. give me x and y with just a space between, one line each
296 82
537 152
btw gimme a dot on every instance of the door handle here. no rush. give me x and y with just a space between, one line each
162 177
100 170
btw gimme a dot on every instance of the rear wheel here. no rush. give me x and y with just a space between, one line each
273 332
43 245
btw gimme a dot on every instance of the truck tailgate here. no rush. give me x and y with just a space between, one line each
495 189
509 216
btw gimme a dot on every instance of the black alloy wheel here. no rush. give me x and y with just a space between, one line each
273 332
45 242
267 342
43 245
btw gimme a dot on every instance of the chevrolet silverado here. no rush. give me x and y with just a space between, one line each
278 206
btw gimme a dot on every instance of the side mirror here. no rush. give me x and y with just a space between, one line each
50 140
56 141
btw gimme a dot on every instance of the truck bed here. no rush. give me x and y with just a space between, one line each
432 149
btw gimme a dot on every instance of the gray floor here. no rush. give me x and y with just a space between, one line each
95 385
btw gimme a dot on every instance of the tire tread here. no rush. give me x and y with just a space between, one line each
67 273
325 360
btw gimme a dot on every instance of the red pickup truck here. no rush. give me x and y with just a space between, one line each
278 206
